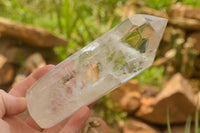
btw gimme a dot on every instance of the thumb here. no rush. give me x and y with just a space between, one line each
11 105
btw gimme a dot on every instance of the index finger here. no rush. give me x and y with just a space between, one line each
20 89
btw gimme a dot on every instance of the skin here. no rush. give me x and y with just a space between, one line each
13 103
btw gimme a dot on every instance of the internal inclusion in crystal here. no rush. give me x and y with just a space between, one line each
138 37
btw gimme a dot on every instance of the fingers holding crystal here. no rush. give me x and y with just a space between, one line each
20 89
11 105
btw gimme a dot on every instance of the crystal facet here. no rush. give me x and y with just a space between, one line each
112 59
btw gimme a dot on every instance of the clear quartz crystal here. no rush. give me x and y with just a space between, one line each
112 59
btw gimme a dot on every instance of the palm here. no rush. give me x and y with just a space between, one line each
12 124
15 125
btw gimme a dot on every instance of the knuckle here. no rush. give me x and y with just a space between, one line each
2 91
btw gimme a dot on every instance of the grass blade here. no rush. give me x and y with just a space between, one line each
196 126
188 124
58 13
168 121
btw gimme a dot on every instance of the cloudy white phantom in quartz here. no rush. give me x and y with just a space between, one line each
112 59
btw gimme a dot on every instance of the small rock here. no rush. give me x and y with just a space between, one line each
30 35
186 23
127 96
14 54
34 61
95 125
177 95
6 74
170 70
150 11
3 60
136 126
149 90
184 11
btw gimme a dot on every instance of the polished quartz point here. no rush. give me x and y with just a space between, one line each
104 64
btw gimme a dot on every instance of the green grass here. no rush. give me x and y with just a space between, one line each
80 22
195 3
152 76
168 122
159 4
109 110
166 4
188 124
196 125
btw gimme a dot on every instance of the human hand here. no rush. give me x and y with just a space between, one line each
13 103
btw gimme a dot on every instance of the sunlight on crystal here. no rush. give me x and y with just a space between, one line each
104 64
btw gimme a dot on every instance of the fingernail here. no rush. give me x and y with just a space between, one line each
83 111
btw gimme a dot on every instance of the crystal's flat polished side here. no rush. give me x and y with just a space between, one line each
112 59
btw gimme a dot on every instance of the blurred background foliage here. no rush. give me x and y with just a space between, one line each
166 4
80 22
